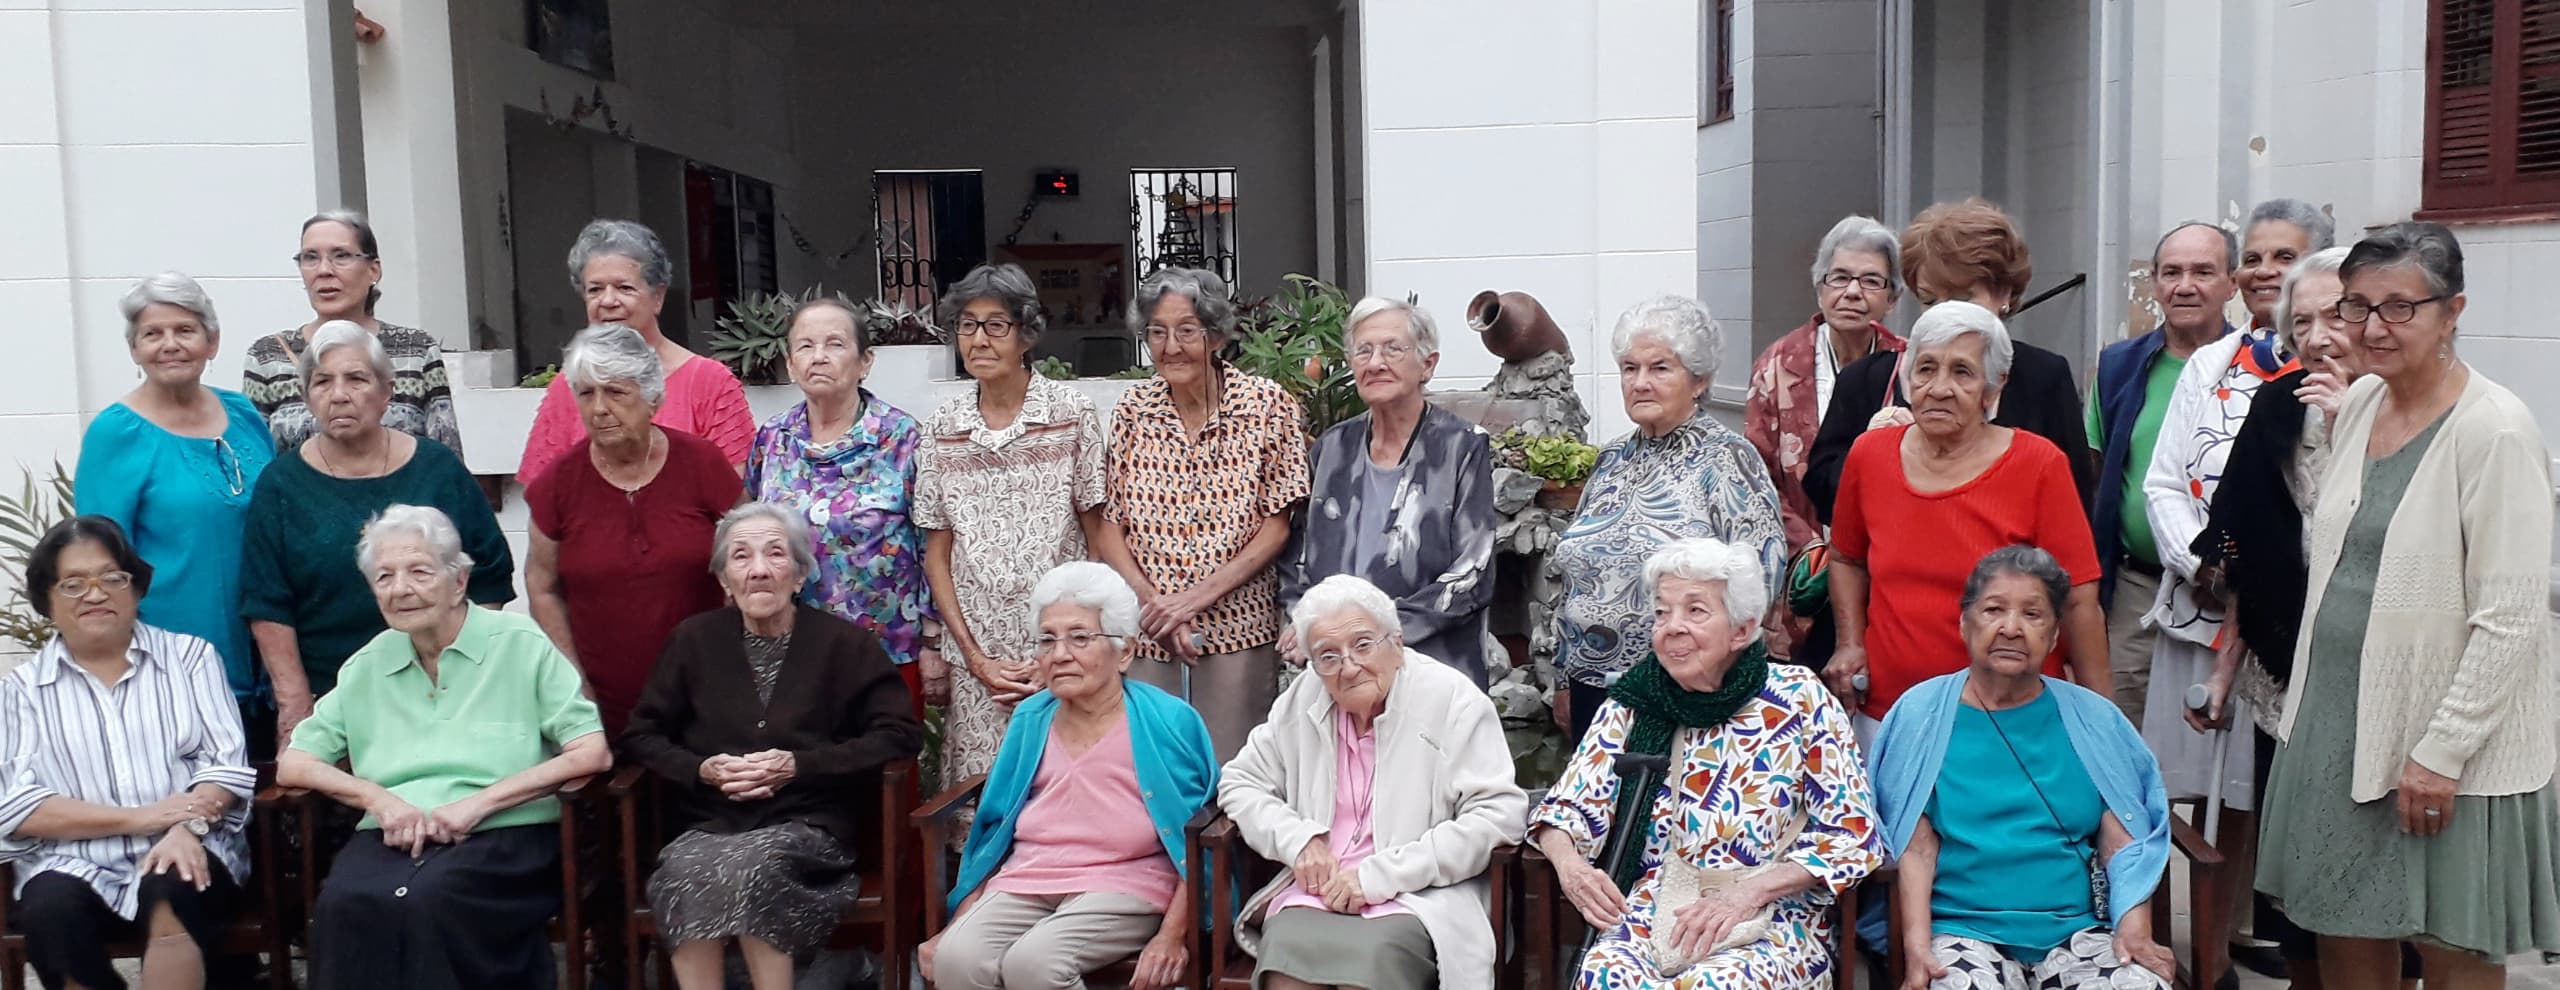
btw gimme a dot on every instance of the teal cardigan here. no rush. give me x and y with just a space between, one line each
1177 771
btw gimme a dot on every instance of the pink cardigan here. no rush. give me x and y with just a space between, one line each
703 398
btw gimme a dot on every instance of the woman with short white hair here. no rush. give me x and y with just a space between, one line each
1679 474
1384 783
1403 495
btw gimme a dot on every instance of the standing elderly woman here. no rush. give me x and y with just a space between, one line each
1403 496
846 461
341 264
308 606
1008 485
1918 501
153 849
173 462
2279 233
1715 787
766 783
621 538
1385 784
621 270
1055 882
2024 813
438 754
2412 795
1205 464
1679 474
1856 278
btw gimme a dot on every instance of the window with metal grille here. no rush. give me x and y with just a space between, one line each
931 227
2493 108
1715 61
1184 217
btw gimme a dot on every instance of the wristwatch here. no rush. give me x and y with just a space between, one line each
198 827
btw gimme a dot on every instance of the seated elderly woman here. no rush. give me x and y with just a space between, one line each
438 754
154 849
1715 787
1056 881
2024 812
1384 782
767 783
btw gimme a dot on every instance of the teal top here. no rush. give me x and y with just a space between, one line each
298 562
184 502
2008 872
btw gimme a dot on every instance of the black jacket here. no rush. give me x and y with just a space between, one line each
2041 398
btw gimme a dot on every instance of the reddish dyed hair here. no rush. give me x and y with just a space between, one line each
1952 247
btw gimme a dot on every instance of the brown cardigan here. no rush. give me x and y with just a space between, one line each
839 707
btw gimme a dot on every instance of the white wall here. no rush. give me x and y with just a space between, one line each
1727 182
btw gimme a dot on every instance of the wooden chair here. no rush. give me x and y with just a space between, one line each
883 907
934 825
1235 871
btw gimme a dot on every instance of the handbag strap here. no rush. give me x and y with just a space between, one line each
2086 859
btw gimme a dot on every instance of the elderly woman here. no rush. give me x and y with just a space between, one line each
2024 813
341 265
1716 788
621 537
1679 474
1856 278
846 461
767 784
621 270
1056 881
2279 233
1918 501
435 756
1008 485
1384 783
2411 797
307 604
173 462
1403 496
154 850
1205 464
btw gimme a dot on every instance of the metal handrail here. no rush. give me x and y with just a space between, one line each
2067 285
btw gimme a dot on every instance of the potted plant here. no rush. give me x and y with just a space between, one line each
1295 338
1563 462
905 345
41 502
753 340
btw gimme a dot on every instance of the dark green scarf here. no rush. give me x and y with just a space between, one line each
1662 708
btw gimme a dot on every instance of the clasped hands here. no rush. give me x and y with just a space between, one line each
1696 927
1322 875
406 826
753 777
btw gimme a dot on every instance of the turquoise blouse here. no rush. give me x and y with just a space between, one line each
2016 833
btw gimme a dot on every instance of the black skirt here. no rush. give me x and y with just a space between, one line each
470 916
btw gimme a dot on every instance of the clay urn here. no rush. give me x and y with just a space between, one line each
1515 328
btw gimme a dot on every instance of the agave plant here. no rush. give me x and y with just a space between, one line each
755 337
39 504
890 323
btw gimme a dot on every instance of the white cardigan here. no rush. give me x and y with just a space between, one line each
2456 671
1444 799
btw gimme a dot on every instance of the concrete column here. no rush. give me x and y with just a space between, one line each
413 168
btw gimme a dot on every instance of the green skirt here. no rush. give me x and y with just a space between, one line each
1392 952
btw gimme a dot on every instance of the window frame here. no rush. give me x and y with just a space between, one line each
1715 62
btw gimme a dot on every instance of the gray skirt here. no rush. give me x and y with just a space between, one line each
1328 949
784 885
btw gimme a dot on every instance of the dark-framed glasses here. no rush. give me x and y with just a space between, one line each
2393 311
1842 280
996 329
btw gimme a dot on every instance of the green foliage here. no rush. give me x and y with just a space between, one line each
1050 367
1560 459
1133 373
540 379
755 337
24 518
1295 338
1538 752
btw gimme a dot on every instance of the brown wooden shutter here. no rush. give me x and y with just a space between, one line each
2493 107
2537 89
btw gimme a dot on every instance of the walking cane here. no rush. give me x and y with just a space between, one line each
1629 767
2200 698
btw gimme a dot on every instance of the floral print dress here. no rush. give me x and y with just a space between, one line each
855 490
1740 785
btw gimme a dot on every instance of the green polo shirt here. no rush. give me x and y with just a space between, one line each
504 701
2159 389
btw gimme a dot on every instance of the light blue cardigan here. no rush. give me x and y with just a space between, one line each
1177 772
1913 745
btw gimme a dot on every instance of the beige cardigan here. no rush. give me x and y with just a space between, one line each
2456 671
1443 797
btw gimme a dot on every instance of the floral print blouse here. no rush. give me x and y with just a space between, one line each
856 491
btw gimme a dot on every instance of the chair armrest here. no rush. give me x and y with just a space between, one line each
625 781
949 803
1218 831
577 787
2191 843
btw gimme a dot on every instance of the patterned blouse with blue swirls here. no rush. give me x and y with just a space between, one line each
856 491
1700 479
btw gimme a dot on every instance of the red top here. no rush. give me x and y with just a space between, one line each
632 566
1919 549
703 398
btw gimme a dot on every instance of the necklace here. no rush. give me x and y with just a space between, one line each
383 468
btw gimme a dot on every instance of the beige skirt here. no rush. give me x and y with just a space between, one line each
1327 949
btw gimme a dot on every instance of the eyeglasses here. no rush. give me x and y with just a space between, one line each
1076 642
2394 312
1363 649
312 260
79 587
1843 280
1189 333
993 329
1392 351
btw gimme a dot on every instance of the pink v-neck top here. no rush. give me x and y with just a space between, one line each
1075 835
1355 774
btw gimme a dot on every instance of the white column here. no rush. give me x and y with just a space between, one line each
413 168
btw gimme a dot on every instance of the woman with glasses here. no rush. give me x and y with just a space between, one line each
1008 485
1205 464
341 264
173 462
1856 277
2412 796
845 460
1403 496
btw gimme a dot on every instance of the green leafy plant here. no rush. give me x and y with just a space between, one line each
41 502
1057 368
1560 459
895 323
1295 338
540 379
755 337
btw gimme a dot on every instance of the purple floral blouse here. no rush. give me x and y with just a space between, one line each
855 491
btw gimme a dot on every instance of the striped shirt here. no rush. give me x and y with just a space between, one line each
168 725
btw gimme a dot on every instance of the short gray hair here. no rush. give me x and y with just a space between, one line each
795 531
1344 591
341 333
1417 321
1680 323
1698 558
1008 285
2230 243
611 352
2304 217
1861 233
2019 559
2429 247
624 238
1087 584
1208 294
1949 321
424 523
169 289
2325 261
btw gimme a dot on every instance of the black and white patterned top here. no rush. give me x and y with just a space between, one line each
421 391
764 656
